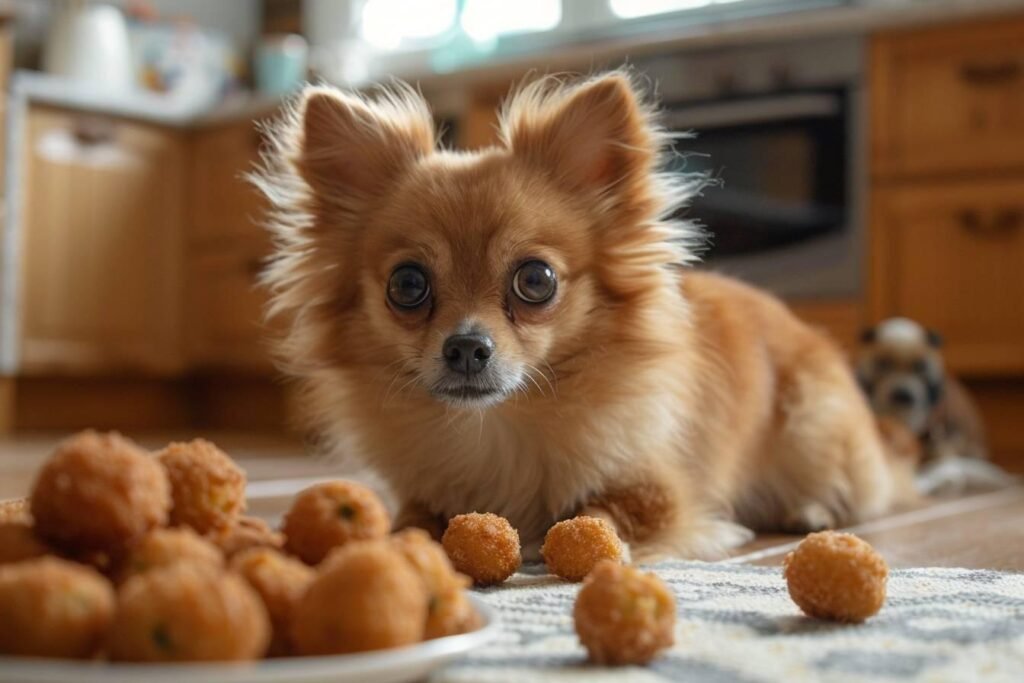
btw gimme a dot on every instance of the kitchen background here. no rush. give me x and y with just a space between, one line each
870 152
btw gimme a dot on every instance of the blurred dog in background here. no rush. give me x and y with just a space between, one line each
901 369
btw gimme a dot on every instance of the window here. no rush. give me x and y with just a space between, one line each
484 20
393 25
627 9
406 24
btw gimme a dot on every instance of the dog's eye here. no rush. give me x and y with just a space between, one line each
920 366
884 364
534 282
408 286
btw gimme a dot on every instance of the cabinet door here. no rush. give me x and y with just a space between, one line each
224 205
951 255
949 99
101 204
227 310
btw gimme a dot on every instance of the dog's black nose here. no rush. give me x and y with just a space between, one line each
468 353
902 396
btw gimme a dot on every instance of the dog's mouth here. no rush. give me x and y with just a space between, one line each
469 395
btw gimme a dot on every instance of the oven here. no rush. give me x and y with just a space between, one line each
782 208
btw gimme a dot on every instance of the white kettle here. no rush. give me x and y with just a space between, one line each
90 43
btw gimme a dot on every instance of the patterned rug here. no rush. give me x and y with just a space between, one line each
738 625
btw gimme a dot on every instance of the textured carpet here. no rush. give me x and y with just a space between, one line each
737 624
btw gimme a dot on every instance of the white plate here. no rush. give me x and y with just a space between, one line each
387 666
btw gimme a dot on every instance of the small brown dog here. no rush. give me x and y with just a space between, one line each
514 330
900 368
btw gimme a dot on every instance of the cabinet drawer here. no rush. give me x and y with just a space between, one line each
949 100
227 307
951 255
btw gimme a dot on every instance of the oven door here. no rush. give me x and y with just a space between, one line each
780 168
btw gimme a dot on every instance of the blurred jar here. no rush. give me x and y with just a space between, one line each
281 62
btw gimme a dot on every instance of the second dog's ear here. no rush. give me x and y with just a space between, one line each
594 137
352 146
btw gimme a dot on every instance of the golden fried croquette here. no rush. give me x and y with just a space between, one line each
572 547
99 492
280 582
834 575
207 487
368 597
15 510
449 610
331 514
483 546
53 608
245 533
18 542
162 547
188 612
624 616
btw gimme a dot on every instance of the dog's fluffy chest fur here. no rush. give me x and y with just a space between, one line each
533 467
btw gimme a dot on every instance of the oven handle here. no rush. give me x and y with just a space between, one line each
752 111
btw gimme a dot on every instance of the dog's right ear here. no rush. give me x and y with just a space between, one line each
868 335
353 146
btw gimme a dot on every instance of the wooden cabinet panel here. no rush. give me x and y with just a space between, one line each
224 205
951 255
101 222
949 99
227 307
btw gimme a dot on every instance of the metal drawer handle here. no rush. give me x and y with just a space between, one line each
1002 223
999 73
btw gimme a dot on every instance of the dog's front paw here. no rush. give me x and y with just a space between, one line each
808 518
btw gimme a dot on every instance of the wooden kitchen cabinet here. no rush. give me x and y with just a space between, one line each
949 99
226 250
226 306
224 205
952 257
102 204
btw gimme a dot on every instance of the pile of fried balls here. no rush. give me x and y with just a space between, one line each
137 557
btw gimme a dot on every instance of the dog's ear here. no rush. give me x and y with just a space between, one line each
352 146
594 137
934 339
868 335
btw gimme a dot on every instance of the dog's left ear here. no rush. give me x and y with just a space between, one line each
934 339
594 138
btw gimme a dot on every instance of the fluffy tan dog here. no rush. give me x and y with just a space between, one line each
515 331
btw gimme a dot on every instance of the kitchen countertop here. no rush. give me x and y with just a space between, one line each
859 17
43 88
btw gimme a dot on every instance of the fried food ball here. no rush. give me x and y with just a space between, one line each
163 547
331 514
837 576
368 597
15 510
572 547
207 487
623 615
280 582
53 608
18 542
245 533
188 612
99 492
483 546
449 610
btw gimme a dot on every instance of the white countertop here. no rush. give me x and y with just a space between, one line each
39 87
